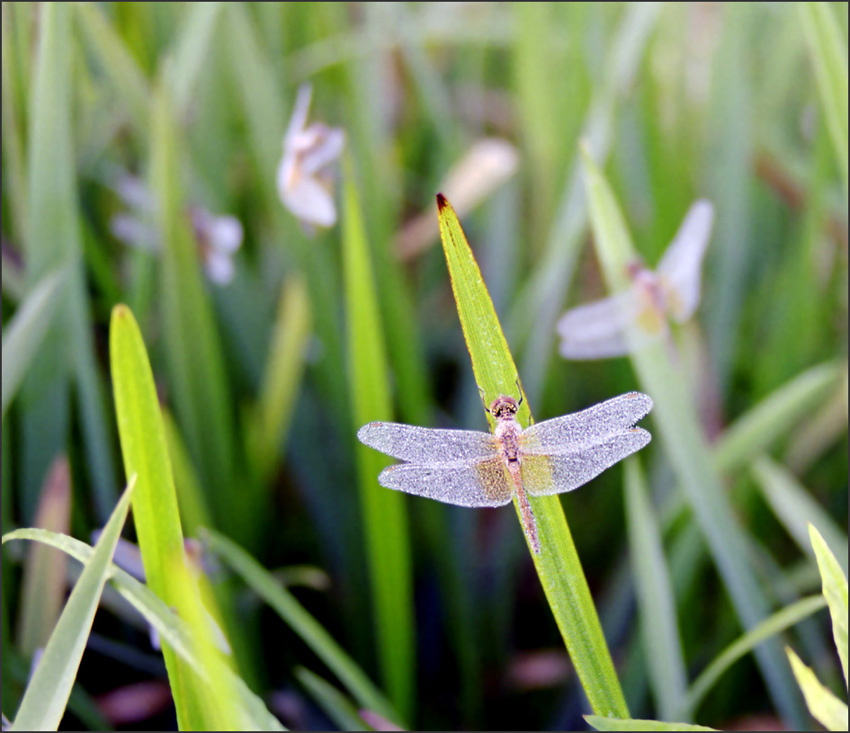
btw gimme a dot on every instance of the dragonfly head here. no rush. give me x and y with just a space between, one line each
504 408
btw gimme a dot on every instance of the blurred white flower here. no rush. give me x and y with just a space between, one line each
598 330
304 176
217 237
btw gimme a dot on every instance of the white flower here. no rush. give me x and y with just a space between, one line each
217 237
304 176
598 330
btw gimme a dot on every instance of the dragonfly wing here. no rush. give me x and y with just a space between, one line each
428 446
597 330
485 483
586 429
557 473
681 265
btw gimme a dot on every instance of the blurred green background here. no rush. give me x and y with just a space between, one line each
676 102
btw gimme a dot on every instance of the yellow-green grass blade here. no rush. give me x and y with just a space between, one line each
602 723
336 705
27 329
824 706
828 49
656 602
172 629
835 592
771 626
43 585
688 452
272 414
302 622
47 693
195 361
155 512
13 139
385 521
557 564
795 508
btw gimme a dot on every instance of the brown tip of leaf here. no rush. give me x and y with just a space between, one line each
441 202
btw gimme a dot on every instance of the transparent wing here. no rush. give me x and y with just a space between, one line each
485 483
555 474
427 446
681 265
597 330
591 427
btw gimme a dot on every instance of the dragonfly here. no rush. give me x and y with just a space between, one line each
476 469
597 330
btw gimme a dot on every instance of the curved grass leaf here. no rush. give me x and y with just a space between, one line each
829 53
47 693
26 331
656 603
337 706
824 706
557 564
688 451
774 416
601 723
835 592
771 626
795 507
384 512
172 630
302 622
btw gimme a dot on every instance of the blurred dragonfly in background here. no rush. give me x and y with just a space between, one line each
598 330
476 469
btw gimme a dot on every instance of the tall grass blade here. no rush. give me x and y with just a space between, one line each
828 49
686 447
384 512
338 708
656 602
557 564
602 723
44 701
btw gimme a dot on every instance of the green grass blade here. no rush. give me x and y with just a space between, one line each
47 694
688 452
773 417
276 401
25 332
656 603
828 49
557 564
778 622
191 53
384 512
303 623
172 630
338 708
155 511
194 356
13 139
601 723
117 62
795 508
824 706
835 592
